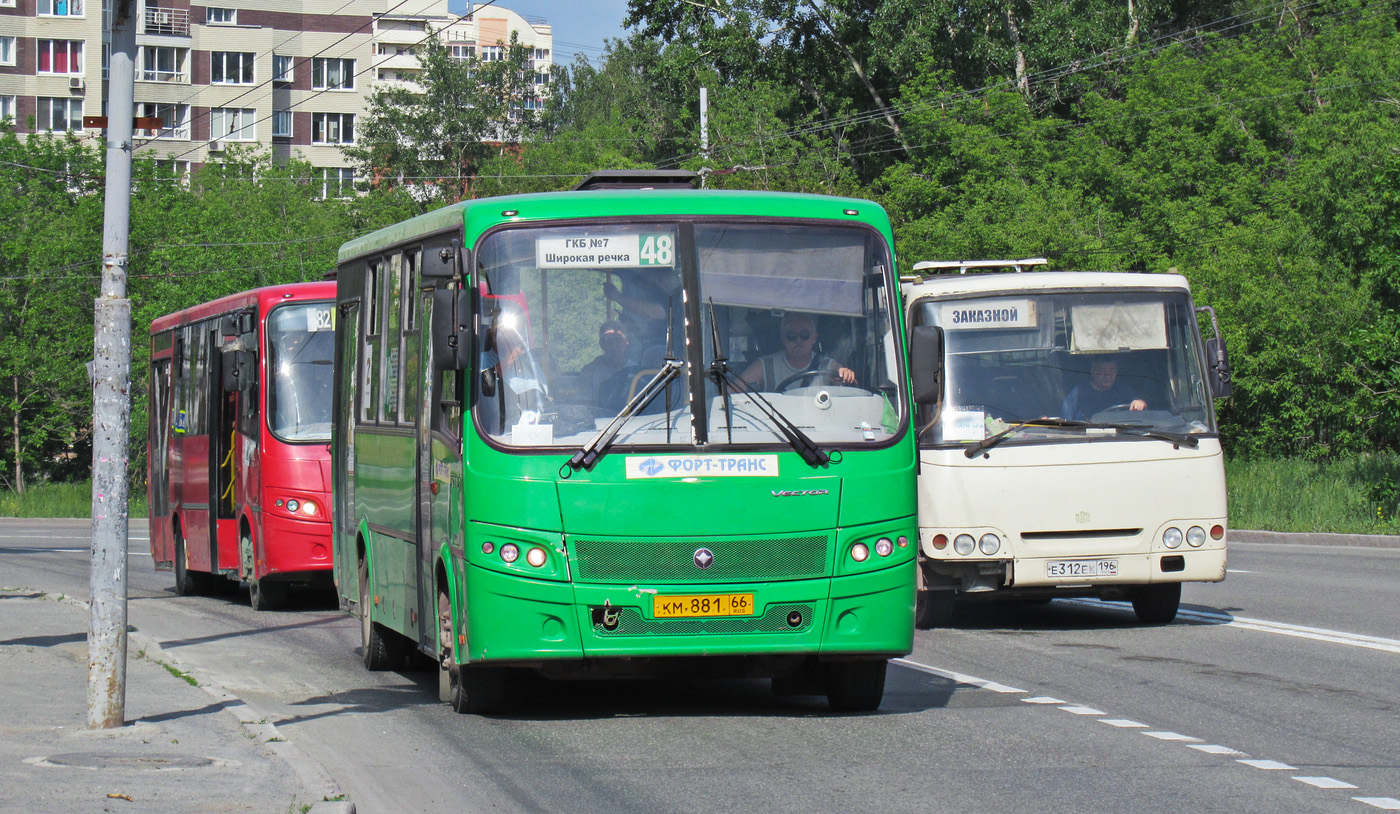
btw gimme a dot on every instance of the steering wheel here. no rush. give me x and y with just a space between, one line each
1114 407
786 384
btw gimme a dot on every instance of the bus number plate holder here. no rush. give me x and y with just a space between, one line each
695 605
1081 568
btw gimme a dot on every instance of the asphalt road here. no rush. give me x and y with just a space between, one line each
1275 691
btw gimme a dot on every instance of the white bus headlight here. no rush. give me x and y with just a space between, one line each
963 543
1171 538
535 556
990 544
884 547
510 552
860 552
1195 536
293 505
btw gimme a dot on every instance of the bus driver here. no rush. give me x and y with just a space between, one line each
799 334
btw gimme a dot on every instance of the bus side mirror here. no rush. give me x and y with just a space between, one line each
1218 362
926 363
445 263
239 370
236 325
451 328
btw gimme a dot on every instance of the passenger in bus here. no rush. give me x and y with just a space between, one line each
1104 390
612 339
797 364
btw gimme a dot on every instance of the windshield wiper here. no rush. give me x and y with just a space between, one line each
992 440
597 446
1141 430
811 453
1147 431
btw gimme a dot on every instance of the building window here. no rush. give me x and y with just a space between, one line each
281 124
7 50
174 120
60 8
7 109
57 115
232 123
337 182
492 53
333 74
542 55
281 68
60 56
231 68
221 16
332 128
461 52
163 64
7 3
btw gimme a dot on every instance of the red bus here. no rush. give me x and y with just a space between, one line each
239 448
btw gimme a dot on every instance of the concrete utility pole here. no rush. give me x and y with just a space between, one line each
111 394
704 134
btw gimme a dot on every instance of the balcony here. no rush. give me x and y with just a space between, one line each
168 22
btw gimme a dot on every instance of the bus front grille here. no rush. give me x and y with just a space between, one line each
630 560
777 619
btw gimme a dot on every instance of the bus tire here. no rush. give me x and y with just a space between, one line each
855 686
187 583
468 689
379 647
933 609
267 595
1156 604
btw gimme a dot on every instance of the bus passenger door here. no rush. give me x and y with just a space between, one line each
223 425
343 466
440 454
158 465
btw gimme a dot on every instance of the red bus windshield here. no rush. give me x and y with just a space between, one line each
300 347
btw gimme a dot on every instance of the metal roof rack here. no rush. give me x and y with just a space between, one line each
640 179
928 268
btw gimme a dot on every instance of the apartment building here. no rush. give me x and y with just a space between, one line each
292 75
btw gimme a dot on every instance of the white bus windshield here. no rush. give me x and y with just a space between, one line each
576 321
300 347
1098 357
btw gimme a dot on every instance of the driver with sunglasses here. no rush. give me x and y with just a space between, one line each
797 364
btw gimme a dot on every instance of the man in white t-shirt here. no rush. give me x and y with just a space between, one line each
787 366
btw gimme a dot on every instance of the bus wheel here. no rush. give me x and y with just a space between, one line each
267 595
186 583
381 651
467 688
933 609
1156 604
855 686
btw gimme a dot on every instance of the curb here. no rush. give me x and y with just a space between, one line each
313 776
1316 538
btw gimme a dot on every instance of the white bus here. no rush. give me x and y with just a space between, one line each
1067 436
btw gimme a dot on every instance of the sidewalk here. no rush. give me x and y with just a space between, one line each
184 748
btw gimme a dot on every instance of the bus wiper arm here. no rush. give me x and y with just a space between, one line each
1151 432
992 440
597 446
811 453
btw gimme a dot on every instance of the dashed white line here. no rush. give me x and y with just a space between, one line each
1383 803
1078 710
1269 765
1325 782
1121 723
1171 736
1044 699
961 678
1216 749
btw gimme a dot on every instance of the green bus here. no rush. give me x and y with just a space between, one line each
632 429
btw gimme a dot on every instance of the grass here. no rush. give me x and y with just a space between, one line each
1356 495
62 500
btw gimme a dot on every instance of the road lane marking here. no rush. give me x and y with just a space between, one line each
1216 749
1383 803
961 678
1078 710
1268 765
1170 736
1325 782
1044 699
1281 628
1122 723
